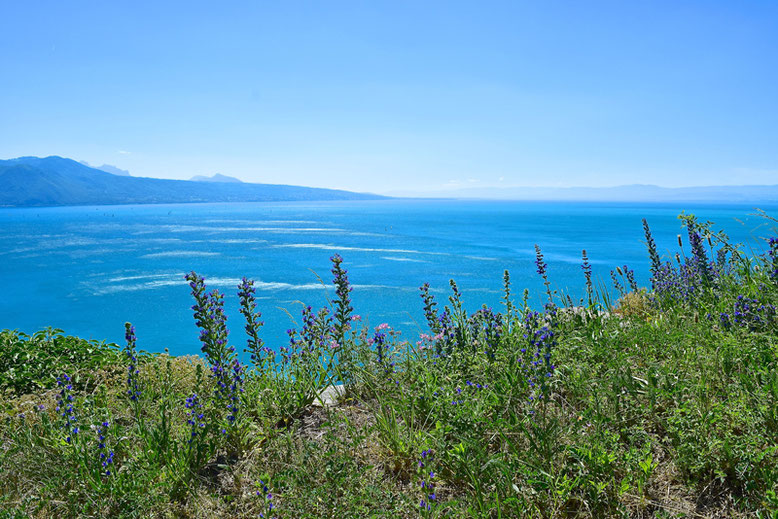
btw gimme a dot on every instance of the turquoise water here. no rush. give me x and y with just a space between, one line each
87 270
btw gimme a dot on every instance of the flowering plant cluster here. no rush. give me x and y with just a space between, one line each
486 330
748 313
226 370
694 276
453 330
534 359
316 332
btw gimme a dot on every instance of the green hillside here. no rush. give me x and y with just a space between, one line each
54 181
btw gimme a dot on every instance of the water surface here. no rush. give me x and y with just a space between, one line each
87 270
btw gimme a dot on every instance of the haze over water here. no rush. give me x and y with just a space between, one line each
87 270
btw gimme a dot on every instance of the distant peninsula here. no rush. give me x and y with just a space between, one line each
57 181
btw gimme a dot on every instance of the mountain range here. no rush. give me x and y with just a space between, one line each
56 181
108 168
744 194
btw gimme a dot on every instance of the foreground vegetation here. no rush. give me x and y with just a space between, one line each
661 404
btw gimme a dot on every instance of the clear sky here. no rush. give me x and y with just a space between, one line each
380 96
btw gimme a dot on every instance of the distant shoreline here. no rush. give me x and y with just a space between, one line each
658 203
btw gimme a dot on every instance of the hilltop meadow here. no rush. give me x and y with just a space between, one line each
658 401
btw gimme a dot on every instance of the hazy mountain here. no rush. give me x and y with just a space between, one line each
108 168
217 177
631 193
51 181
113 170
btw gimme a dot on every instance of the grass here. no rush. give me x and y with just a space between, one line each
663 403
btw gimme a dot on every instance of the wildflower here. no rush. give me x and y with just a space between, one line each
133 384
343 306
506 281
430 313
248 306
445 339
379 341
427 484
226 370
616 284
486 328
209 317
541 264
699 260
656 263
587 269
265 493
195 418
315 332
105 456
65 407
725 321
535 358
750 313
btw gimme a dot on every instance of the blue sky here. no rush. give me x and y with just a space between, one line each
385 96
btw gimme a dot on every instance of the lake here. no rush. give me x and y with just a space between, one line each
87 270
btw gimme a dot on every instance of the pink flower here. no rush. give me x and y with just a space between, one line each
382 326
356 318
